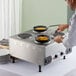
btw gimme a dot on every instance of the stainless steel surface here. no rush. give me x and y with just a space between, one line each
33 34
27 49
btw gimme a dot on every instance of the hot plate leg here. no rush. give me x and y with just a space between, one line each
64 57
39 68
13 59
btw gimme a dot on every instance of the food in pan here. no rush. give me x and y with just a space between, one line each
42 38
40 28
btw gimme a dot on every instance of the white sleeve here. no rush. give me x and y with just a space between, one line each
66 42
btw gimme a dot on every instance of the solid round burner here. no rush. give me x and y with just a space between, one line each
24 35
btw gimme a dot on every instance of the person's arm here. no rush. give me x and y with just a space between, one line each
58 39
62 27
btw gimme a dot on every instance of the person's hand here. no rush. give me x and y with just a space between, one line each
62 27
58 39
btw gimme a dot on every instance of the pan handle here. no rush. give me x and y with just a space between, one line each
53 25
